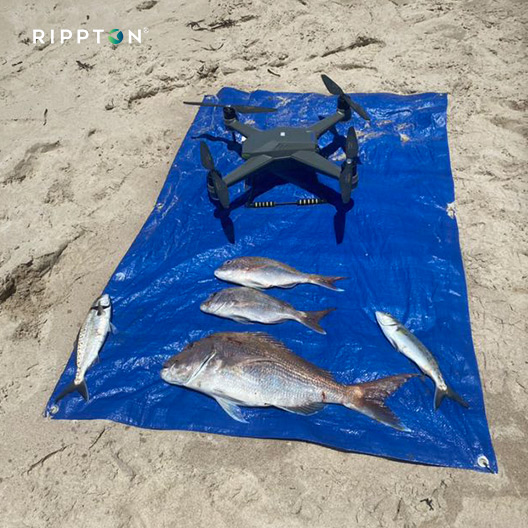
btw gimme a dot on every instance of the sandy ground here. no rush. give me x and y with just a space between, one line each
85 147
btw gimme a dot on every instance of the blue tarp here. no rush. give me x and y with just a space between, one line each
397 243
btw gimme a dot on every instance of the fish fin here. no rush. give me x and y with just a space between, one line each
232 409
307 409
450 393
369 399
113 329
438 397
326 282
81 388
241 320
311 319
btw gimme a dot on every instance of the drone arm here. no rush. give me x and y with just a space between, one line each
317 162
327 123
242 128
244 170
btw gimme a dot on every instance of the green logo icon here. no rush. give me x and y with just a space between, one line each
118 36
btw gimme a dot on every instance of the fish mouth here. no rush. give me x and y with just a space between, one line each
385 319
208 306
166 370
223 274
104 301
205 307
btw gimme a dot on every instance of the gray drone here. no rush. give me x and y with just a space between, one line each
263 147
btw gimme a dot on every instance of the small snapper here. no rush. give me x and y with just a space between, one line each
246 305
89 342
260 272
255 370
409 345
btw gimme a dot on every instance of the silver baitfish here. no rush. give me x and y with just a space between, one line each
255 370
410 346
246 305
260 272
89 342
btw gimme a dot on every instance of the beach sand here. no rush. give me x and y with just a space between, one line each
87 135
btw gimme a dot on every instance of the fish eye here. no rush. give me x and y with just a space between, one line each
228 262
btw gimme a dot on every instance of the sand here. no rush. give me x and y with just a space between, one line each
87 135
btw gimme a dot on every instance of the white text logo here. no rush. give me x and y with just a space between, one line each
115 36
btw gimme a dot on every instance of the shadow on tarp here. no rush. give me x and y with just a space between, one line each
397 244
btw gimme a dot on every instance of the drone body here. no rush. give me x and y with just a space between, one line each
279 142
263 147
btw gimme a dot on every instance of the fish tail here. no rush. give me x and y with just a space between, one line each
326 282
369 399
450 393
81 388
312 319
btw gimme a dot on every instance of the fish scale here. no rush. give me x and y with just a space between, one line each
255 370
300 384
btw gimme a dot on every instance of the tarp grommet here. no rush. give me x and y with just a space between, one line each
483 462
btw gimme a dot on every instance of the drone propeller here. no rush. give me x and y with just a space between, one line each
348 176
351 146
205 156
219 185
335 89
243 109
